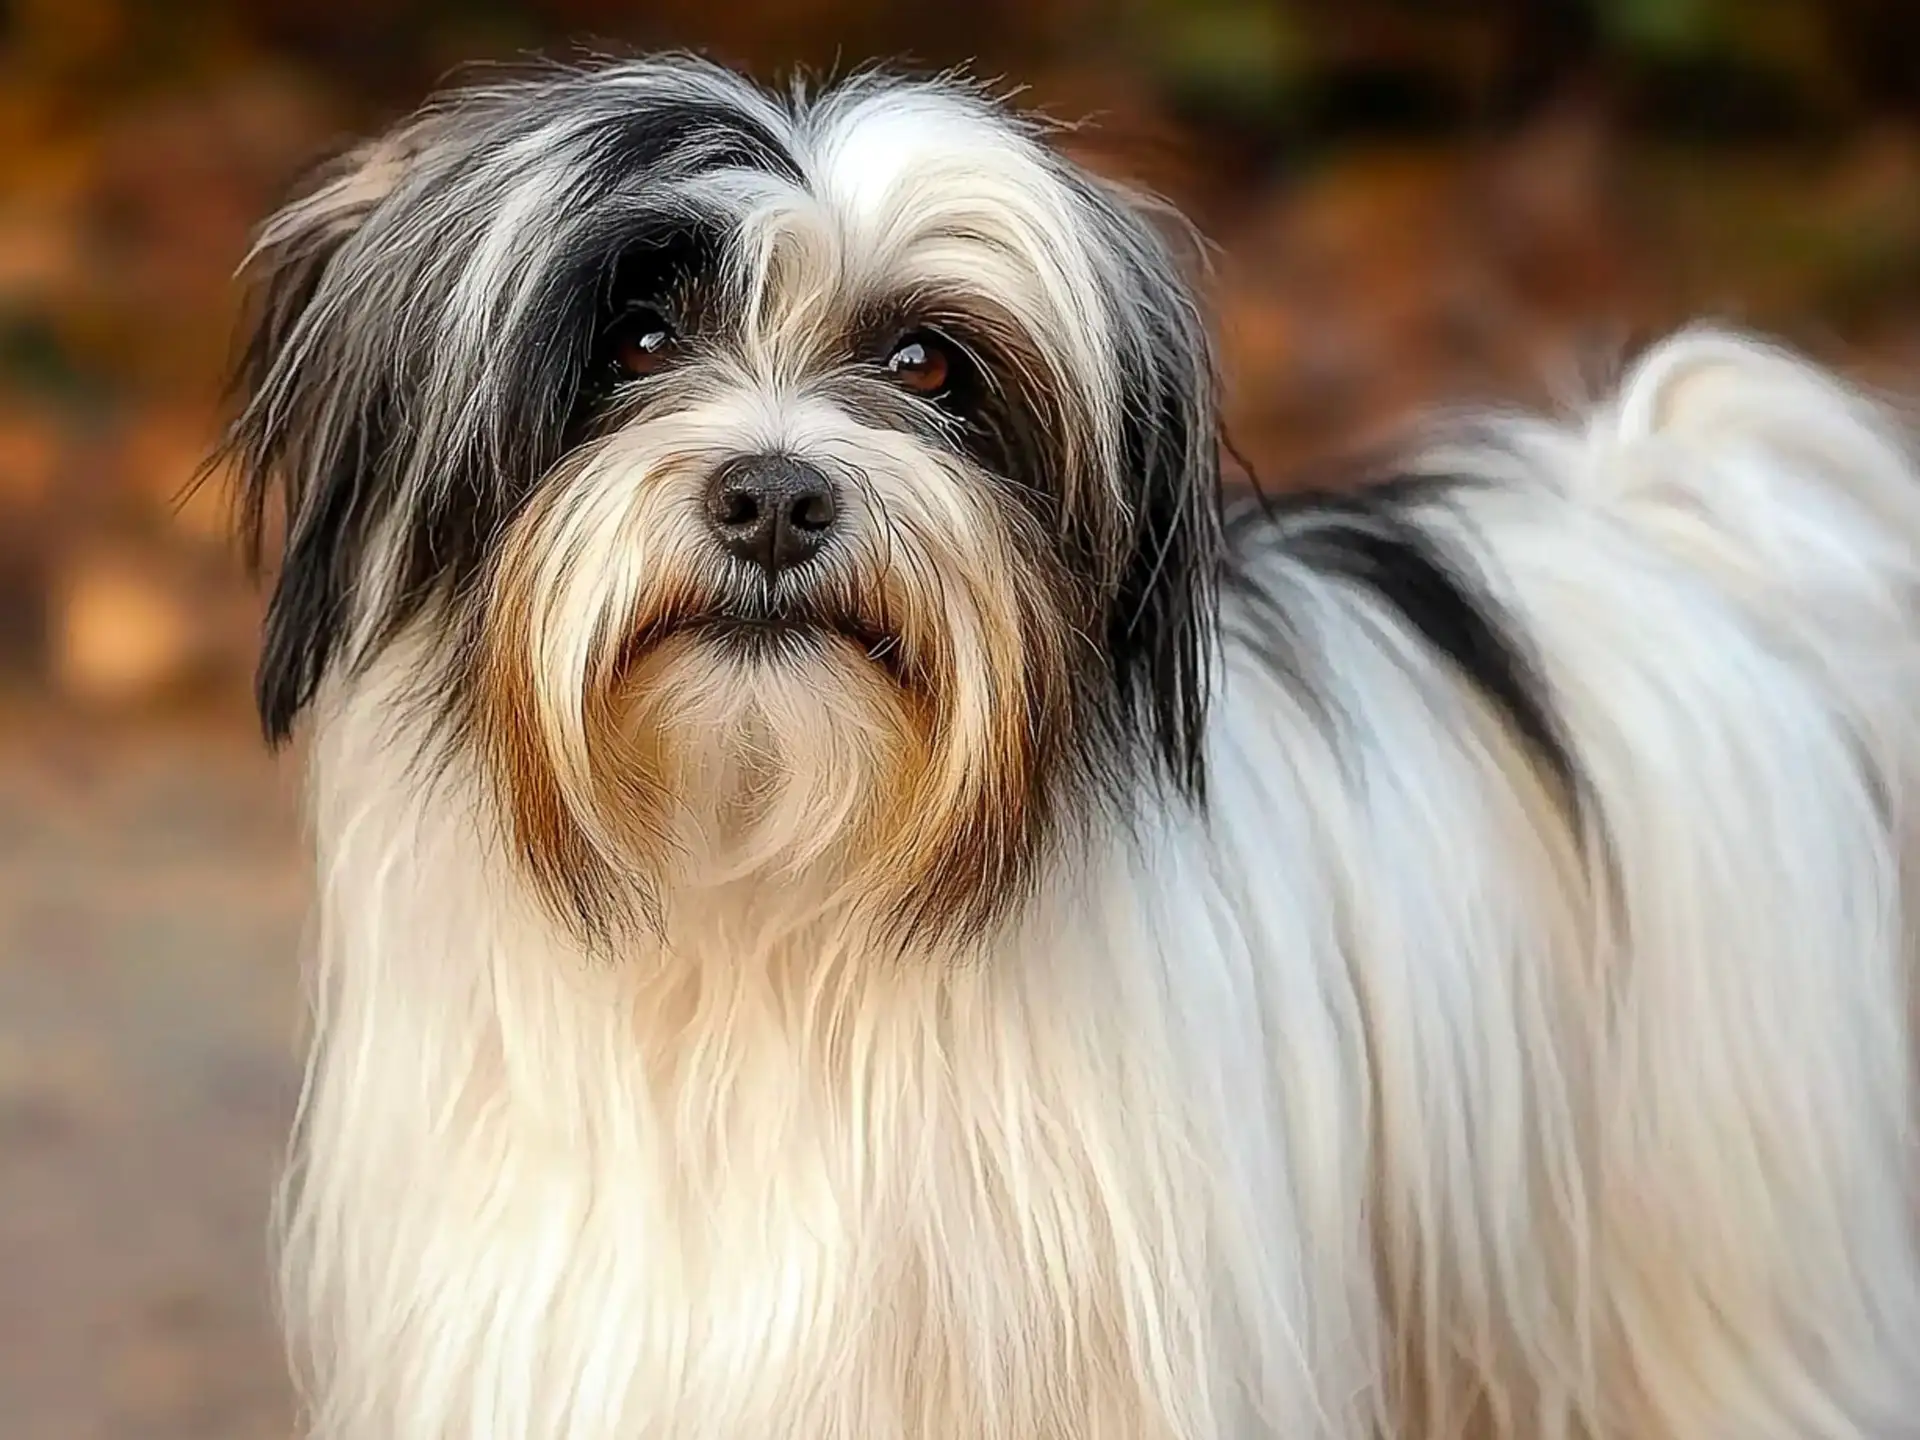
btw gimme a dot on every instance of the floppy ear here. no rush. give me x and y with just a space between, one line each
306 433
1160 628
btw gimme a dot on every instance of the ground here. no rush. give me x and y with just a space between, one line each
150 905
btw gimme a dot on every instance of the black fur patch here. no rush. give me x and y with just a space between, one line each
1160 620
1372 536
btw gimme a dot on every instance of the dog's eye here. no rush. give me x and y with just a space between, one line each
644 342
923 363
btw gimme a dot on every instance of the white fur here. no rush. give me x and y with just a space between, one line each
1378 1104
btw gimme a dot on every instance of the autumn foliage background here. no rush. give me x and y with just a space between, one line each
1414 202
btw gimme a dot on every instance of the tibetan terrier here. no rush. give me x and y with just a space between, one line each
860 897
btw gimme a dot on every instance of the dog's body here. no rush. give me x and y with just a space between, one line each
1459 985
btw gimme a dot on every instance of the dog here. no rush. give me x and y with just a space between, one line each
861 894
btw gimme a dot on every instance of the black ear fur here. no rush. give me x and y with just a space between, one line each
313 475
1160 631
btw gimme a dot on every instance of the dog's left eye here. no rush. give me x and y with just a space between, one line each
644 342
923 363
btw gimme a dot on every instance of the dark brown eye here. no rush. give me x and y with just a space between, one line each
922 363
645 343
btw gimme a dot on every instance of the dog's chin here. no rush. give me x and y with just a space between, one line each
774 745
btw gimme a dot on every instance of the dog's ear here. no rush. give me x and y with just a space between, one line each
1160 627
307 432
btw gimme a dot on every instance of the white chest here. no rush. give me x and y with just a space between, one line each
921 1216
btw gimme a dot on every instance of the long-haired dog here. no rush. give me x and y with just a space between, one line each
858 898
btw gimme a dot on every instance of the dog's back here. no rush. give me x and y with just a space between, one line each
1628 848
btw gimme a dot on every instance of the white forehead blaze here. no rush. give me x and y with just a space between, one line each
915 190
925 186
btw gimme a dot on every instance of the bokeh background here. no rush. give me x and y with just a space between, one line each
1414 202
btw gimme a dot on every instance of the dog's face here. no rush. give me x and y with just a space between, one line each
820 489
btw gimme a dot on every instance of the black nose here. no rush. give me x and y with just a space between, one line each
772 510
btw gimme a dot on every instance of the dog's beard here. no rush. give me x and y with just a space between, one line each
874 735
775 750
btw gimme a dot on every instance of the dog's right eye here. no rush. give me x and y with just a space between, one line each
644 343
923 363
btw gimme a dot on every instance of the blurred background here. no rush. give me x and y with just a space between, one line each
1414 202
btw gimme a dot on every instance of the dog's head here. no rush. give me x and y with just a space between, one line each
812 485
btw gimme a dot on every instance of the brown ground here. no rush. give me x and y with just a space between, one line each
149 908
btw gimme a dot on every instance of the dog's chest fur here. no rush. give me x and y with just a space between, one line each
735 1189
